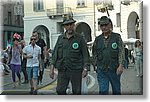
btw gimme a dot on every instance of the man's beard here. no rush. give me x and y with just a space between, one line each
69 31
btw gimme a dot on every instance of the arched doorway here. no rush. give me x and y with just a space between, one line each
84 29
133 26
43 33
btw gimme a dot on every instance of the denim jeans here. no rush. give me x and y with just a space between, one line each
104 78
32 72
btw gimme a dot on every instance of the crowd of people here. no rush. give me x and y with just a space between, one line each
71 58
22 57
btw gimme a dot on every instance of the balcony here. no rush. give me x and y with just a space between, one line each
103 7
58 12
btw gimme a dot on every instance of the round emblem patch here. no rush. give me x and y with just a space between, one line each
75 45
114 45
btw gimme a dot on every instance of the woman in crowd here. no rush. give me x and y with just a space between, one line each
138 56
15 59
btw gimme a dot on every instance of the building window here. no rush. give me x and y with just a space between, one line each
9 18
81 3
38 5
60 6
60 28
18 20
118 21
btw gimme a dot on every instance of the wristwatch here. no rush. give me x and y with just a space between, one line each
85 69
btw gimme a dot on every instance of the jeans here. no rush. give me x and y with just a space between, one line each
32 72
15 70
103 81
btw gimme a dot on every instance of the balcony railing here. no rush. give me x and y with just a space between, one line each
58 11
103 7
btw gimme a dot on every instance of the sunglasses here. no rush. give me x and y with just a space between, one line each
33 39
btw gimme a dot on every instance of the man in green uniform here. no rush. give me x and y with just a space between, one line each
71 58
108 49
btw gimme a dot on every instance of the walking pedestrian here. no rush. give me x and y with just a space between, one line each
108 49
32 53
15 59
70 57
126 63
40 42
23 64
137 53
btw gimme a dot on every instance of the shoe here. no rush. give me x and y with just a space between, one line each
141 75
35 92
31 91
41 83
38 83
25 82
14 85
19 83
137 75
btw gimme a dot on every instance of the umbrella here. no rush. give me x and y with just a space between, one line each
130 40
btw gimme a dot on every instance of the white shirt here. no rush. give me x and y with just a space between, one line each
35 52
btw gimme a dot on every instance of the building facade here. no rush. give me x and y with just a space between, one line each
46 17
12 21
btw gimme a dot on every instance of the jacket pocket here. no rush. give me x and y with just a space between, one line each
60 51
74 53
114 53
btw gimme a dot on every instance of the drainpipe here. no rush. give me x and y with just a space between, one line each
120 17
94 20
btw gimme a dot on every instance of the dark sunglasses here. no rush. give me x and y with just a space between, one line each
33 39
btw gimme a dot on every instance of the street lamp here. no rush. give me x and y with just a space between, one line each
104 6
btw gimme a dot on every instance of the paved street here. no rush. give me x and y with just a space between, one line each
131 84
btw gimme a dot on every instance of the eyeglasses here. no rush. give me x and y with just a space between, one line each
33 39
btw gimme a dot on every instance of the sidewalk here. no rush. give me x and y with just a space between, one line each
7 85
130 84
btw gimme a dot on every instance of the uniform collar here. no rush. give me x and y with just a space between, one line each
73 35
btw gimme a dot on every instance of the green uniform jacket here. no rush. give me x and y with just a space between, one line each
109 56
70 53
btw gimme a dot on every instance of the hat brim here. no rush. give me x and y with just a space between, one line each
68 22
104 22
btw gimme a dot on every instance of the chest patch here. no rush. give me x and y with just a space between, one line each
114 45
75 45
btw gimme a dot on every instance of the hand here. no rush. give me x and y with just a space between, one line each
45 60
119 70
40 68
84 73
51 74
29 56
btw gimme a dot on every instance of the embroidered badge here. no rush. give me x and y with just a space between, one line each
75 45
114 45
